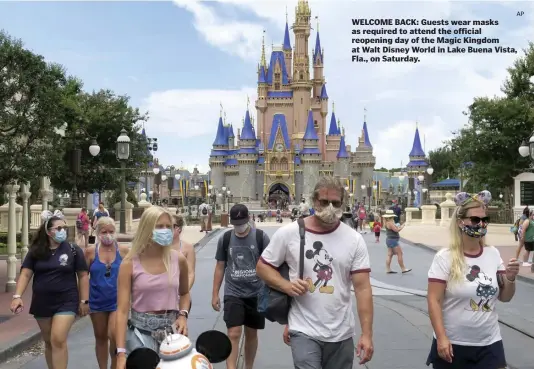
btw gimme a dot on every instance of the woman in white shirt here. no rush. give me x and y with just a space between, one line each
464 282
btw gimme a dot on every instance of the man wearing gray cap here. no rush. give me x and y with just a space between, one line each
238 252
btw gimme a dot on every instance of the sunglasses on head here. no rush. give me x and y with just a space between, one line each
108 271
477 220
325 203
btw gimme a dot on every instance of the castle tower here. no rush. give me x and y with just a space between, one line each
416 166
333 137
247 158
261 102
342 164
364 161
301 83
287 50
310 157
218 155
318 77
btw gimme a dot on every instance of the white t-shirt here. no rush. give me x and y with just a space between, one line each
325 312
469 312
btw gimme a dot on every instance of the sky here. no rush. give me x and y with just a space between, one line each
180 60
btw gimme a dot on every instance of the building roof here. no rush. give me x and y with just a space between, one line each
279 123
247 133
310 133
417 149
366 140
317 52
277 57
342 153
333 128
287 40
324 95
220 137
449 182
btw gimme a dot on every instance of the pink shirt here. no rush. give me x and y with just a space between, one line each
155 292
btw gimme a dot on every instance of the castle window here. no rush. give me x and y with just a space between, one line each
301 76
301 100
284 165
274 165
277 86
315 124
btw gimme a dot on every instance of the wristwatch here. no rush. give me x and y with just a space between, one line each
184 313
120 351
16 297
84 301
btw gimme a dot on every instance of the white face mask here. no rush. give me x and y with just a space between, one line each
240 229
329 214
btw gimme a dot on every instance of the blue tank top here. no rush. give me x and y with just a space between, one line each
103 283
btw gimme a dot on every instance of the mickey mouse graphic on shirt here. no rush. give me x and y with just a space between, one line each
322 267
485 291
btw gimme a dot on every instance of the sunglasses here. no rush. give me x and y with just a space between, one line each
325 203
60 228
108 271
477 220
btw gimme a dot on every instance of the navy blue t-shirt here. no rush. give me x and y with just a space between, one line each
57 274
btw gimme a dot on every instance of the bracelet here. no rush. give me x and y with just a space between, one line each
16 297
510 280
184 313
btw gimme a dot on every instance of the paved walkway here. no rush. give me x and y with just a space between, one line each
17 332
436 237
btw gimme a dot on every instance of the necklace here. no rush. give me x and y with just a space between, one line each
53 251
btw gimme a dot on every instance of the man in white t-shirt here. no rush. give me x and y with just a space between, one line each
321 319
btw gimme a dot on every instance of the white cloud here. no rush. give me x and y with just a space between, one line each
434 92
190 113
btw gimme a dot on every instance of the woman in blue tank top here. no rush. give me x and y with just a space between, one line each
104 260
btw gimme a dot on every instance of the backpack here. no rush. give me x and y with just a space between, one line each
274 305
79 223
204 211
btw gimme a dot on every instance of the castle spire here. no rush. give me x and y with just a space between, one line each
248 132
310 133
263 61
220 139
333 106
317 52
417 149
287 40
365 132
342 153
333 129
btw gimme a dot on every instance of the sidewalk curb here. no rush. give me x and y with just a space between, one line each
430 248
204 240
29 339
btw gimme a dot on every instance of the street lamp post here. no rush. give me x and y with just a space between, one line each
123 153
228 194
375 194
76 157
363 193
157 179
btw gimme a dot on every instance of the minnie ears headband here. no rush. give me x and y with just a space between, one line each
47 214
484 197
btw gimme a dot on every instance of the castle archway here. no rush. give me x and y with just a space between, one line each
278 195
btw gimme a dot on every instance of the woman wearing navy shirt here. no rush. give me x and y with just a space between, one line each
104 260
60 286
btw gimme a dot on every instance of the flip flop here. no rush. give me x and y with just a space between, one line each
406 271
392 272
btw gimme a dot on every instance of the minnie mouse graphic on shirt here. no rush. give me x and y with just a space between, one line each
485 291
322 267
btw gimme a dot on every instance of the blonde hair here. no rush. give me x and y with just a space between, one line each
143 236
104 222
458 265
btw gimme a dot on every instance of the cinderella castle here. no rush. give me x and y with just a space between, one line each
291 144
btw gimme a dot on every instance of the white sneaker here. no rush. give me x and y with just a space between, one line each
526 264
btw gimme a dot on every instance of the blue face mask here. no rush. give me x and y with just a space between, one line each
60 236
162 237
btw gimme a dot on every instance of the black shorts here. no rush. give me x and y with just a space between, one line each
377 234
240 311
470 357
529 246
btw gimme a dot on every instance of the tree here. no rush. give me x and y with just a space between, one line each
101 116
444 162
30 90
496 128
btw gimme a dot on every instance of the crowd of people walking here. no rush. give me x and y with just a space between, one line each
306 273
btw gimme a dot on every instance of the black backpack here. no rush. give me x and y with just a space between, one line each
204 211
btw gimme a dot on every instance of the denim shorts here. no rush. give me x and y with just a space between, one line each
392 242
